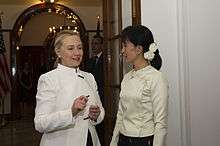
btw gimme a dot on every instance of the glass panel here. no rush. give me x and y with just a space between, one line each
126 13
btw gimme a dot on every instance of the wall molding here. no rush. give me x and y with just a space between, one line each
183 58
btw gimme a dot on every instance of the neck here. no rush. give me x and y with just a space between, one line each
74 67
139 64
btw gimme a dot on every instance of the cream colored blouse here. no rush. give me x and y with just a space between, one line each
143 106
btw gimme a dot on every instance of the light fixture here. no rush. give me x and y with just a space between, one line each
49 1
17 48
53 30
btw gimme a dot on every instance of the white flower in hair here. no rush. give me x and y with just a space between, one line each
149 55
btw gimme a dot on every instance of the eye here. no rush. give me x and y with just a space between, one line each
80 47
70 48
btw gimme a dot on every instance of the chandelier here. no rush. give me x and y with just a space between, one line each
49 1
53 29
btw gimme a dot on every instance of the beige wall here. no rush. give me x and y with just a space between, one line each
38 27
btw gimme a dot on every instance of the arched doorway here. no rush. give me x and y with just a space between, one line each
34 54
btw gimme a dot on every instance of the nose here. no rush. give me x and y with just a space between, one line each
77 52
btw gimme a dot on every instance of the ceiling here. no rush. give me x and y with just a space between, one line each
67 2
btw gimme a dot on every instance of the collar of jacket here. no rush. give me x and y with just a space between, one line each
68 69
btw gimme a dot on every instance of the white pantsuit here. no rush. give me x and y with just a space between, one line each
56 93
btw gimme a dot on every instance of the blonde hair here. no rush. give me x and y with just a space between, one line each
61 35
58 41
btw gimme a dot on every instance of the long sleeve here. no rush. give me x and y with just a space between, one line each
160 110
115 136
47 119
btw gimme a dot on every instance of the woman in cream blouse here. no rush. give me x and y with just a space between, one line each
68 104
143 105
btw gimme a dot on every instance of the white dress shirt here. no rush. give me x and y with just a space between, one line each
56 93
143 106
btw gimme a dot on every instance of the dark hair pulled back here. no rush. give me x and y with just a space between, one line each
140 35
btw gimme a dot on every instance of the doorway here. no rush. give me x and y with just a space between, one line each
35 58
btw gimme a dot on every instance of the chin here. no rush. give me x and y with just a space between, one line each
73 65
128 61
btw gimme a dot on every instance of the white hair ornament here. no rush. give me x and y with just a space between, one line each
149 55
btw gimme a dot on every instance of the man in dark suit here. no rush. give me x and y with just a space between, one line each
95 66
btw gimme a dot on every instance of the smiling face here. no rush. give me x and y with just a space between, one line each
70 52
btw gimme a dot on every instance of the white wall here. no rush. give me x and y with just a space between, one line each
161 17
204 59
188 34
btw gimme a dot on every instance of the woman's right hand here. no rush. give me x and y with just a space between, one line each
79 104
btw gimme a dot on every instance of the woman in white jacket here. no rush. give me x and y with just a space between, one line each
68 105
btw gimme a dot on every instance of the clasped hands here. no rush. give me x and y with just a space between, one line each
80 103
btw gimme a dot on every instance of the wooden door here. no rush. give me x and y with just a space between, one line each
113 63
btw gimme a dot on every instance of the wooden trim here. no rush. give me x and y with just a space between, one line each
115 86
114 37
120 45
110 103
106 66
136 12
120 15
92 30
5 30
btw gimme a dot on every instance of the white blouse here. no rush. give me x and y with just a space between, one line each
56 93
143 106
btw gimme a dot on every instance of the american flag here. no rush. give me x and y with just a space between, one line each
5 78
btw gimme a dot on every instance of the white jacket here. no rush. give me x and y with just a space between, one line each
143 106
56 93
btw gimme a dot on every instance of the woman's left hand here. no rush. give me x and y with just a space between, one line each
94 112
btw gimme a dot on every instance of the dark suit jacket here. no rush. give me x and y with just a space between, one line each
97 70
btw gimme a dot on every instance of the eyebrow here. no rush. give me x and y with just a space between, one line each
80 45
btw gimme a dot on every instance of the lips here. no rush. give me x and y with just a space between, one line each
76 59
